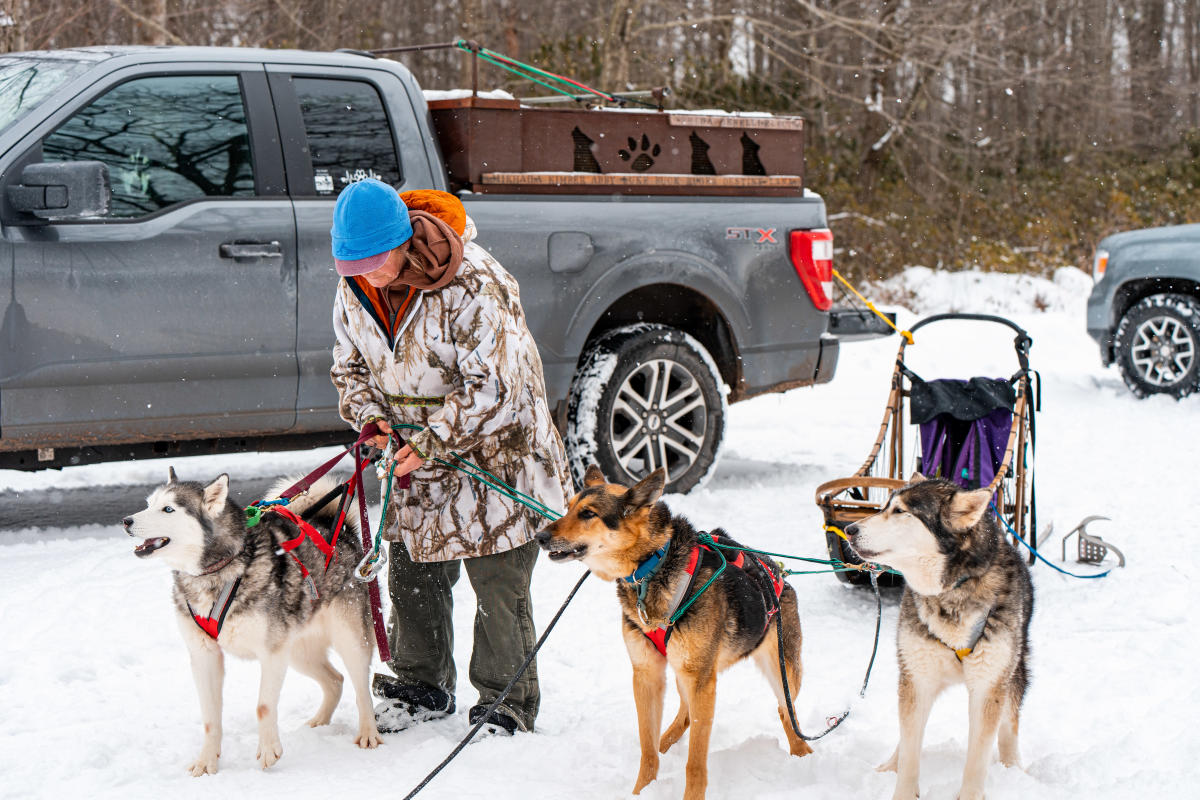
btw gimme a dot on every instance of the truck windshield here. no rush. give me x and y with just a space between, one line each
25 81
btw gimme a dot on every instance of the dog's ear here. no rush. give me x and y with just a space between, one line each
647 491
171 478
967 508
215 494
593 476
917 477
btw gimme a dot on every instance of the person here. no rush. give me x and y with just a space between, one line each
430 332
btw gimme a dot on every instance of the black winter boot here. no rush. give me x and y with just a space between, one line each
405 706
499 723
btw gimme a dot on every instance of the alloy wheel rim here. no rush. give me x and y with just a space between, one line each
659 419
1162 351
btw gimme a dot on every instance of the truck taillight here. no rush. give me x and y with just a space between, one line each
812 256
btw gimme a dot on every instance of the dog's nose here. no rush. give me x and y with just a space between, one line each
542 537
127 522
851 529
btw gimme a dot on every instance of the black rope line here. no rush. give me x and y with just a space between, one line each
507 689
787 695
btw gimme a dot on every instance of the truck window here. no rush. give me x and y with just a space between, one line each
166 140
26 81
348 132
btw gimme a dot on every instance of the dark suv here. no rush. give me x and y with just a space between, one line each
1145 309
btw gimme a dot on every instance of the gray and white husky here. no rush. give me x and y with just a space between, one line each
236 592
964 618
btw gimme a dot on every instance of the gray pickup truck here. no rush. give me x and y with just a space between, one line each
1144 311
166 278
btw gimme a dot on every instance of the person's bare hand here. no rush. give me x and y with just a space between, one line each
406 461
381 442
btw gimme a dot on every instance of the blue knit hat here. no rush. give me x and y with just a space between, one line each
369 221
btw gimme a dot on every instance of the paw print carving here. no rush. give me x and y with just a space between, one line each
642 160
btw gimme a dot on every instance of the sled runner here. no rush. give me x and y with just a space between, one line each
977 432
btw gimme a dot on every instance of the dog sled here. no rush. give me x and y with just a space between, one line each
978 432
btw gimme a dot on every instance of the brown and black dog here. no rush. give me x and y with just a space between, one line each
621 534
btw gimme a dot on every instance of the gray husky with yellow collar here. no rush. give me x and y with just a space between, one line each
964 618
237 592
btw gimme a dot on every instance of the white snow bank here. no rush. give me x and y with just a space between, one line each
927 291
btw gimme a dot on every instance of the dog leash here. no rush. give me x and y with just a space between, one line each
1039 555
837 566
255 511
374 559
874 570
832 722
504 694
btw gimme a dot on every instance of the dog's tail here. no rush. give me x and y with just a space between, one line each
303 504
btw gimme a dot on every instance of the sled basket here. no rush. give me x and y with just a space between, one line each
974 432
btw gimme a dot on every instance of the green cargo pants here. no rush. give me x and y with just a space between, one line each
422 632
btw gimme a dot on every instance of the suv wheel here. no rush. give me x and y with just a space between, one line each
1158 345
646 396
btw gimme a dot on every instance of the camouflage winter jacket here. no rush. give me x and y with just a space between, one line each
464 367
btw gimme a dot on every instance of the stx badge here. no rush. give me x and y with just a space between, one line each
765 235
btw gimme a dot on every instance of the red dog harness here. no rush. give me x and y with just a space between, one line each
215 620
306 532
660 636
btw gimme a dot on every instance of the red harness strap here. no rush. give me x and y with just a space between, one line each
215 620
661 635
307 531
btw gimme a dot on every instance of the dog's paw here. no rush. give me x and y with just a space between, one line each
970 794
269 751
647 773
204 765
800 748
368 739
670 736
891 763
319 720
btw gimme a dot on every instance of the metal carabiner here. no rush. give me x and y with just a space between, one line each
371 565
385 458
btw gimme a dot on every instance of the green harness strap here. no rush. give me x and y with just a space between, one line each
488 479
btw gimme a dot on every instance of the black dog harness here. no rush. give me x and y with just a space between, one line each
769 581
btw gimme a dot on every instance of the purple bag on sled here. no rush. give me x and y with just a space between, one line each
964 427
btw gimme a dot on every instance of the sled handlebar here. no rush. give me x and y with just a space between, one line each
1022 343
976 317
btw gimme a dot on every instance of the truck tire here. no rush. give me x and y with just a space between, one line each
1157 345
646 396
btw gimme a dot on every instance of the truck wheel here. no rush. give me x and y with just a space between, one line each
646 396
1158 345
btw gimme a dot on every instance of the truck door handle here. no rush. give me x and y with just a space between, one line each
251 250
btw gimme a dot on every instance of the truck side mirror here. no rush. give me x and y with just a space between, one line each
63 190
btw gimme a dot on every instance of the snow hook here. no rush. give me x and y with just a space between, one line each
1092 549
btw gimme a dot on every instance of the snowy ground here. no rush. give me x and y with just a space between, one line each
98 700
